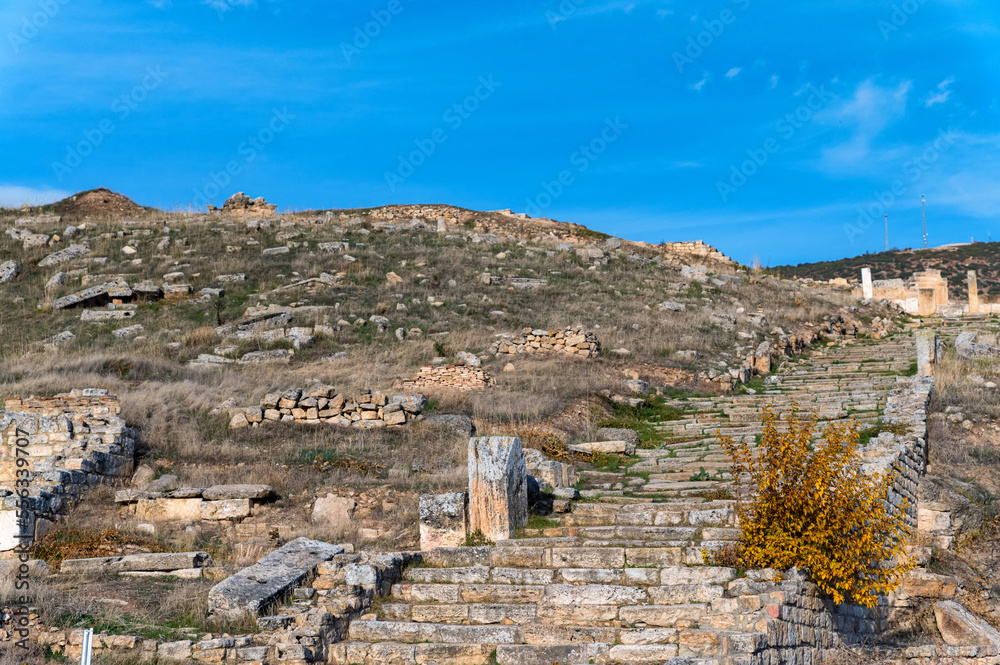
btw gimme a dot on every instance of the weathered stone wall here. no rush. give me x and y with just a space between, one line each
323 404
575 340
54 448
449 377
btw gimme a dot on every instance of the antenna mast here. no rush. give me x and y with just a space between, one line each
887 233
923 211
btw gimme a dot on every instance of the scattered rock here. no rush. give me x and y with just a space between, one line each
334 511
8 271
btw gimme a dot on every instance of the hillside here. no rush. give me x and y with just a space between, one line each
953 262
313 374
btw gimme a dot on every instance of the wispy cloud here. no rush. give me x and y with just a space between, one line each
13 196
942 94
866 114
697 87
773 82
733 73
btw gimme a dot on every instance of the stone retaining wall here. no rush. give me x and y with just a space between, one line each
450 377
323 404
54 448
575 340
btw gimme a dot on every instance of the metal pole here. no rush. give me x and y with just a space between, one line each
88 644
923 212
887 233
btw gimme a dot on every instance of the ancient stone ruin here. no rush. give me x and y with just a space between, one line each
66 444
241 204
324 404
575 340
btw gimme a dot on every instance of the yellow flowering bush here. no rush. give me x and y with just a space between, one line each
811 505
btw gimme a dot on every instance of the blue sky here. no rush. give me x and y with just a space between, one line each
778 130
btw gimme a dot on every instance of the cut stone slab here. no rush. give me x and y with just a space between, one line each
93 566
605 447
443 520
617 434
960 627
498 486
461 425
64 255
269 581
164 562
218 492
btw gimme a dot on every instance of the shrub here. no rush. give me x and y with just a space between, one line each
814 507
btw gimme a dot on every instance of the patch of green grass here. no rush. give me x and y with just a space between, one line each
477 539
641 419
867 434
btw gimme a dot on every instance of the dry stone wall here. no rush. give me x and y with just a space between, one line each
575 340
324 404
449 377
51 450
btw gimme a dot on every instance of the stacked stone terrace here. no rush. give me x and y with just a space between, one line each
324 404
69 442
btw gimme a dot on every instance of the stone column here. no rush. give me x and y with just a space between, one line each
443 520
973 293
926 352
866 284
498 486
926 302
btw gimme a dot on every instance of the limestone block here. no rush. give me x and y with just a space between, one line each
168 509
270 580
225 509
926 348
258 492
162 561
9 530
605 447
960 627
334 511
498 486
443 520
926 302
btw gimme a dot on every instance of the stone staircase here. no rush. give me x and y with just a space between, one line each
623 577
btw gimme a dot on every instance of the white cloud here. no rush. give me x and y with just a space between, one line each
160 4
942 95
700 84
733 73
773 83
865 115
13 196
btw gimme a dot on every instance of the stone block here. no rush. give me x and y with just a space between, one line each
960 627
498 486
443 520
168 509
270 580
604 447
258 492
334 511
225 509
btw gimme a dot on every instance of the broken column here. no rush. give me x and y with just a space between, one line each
926 302
866 284
498 486
973 293
926 350
443 520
